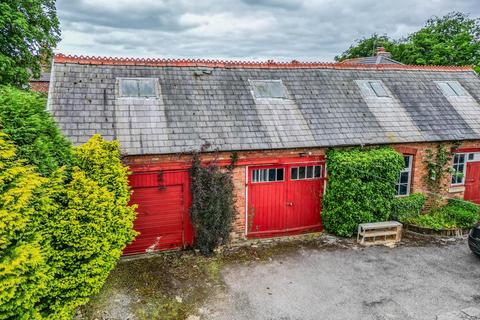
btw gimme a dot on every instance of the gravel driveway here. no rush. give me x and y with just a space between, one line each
364 283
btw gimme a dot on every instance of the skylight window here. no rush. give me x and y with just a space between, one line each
373 88
138 88
451 88
269 89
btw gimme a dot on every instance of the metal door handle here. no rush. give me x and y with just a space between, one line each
290 204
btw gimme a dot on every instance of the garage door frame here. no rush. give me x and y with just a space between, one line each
164 179
287 164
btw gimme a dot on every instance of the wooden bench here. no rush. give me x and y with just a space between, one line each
386 233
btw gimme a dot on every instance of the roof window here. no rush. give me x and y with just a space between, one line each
269 89
138 88
451 88
373 88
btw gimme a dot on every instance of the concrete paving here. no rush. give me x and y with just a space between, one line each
369 283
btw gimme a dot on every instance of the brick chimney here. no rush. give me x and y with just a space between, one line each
381 52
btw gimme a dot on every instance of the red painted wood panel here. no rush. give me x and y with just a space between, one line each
284 207
472 182
163 200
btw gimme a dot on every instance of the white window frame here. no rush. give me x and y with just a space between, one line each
155 86
464 172
260 178
409 171
305 166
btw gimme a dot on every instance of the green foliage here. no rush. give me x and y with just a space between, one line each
366 47
29 29
213 205
91 227
408 207
61 235
39 141
23 272
361 187
453 39
456 214
438 170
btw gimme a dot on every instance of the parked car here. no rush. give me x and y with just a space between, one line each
474 239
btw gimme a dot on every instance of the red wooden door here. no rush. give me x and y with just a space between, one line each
267 199
162 213
279 203
304 196
472 182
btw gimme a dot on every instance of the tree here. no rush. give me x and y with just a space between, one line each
39 141
450 40
29 29
453 39
367 47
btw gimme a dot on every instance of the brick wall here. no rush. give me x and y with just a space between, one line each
39 86
418 150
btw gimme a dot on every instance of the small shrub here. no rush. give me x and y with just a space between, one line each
408 207
213 210
37 138
456 214
361 187
463 214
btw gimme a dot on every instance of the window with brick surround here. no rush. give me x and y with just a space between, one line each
459 164
404 181
137 87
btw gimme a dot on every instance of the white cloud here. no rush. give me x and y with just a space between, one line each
248 29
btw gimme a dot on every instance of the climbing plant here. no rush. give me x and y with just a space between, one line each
437 162
360 187
213 203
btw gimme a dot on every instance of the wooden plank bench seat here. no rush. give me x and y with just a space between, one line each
386 232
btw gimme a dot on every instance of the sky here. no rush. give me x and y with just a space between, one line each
283 30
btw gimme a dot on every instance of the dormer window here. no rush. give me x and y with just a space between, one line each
451 88
269 89
373 88
138 87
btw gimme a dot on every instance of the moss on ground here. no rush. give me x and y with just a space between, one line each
164 286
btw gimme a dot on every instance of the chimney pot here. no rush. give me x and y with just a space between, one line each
381 52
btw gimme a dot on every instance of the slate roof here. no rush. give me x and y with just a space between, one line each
211 101
379 59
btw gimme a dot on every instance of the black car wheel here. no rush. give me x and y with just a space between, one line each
474 240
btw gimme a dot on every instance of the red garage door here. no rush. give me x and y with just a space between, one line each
162 213
284 199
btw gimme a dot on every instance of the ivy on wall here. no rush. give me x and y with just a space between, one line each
360 187
437 162
213 204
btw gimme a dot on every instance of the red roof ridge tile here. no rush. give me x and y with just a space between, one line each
269 64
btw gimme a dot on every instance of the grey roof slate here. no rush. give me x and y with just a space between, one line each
325 108
378 59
